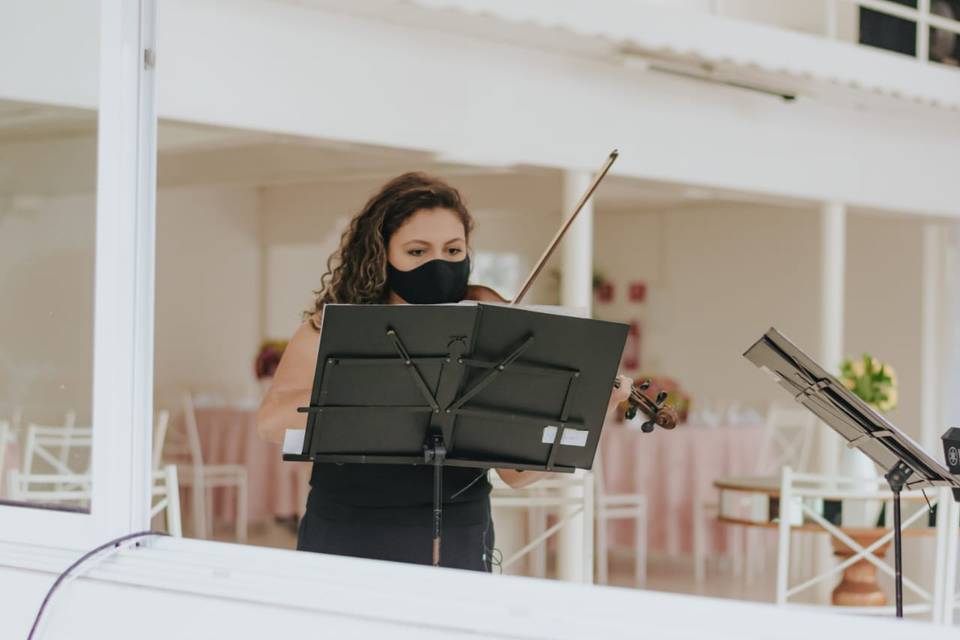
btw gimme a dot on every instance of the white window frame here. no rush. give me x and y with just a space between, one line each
124 295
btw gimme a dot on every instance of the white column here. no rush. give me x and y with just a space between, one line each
833 242
833 257
830 19
576 290
576 248
931 283
923 31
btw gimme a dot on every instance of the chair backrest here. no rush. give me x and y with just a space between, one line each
710 412
6 433
16 418
50 488
187 440
58 447
166 489
951 564
599 487
788 439
799 496
69 424
160 426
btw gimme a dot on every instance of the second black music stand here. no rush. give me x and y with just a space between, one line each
905 463
460 385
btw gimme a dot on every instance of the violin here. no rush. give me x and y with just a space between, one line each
659 413
656 410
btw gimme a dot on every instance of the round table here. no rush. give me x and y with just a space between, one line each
754 501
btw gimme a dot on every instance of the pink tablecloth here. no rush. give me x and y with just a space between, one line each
275 488
675 470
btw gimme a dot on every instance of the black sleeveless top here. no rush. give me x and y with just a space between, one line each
400 494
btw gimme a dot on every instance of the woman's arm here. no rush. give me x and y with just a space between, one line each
291 386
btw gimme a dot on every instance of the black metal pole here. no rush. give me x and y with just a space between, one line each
896 478
439 453
897 551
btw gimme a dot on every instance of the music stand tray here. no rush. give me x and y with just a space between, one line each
467 385
904 461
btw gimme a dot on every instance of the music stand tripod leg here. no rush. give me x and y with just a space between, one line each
436 453
896 478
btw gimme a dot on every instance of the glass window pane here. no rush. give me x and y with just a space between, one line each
48 175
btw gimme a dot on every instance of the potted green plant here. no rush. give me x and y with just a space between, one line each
875 383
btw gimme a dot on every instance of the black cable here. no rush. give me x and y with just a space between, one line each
469 484
113 543
492 556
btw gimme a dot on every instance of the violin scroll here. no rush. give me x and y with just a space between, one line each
659 414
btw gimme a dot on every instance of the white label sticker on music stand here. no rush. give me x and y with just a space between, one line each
293 440
570 437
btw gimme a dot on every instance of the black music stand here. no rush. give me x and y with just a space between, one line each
906 464
462 385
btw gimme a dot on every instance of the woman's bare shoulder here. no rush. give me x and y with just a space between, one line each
309 329
305 339
481 293
299 358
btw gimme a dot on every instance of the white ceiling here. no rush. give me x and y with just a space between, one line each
53 150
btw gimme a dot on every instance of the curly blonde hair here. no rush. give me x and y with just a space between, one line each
357 270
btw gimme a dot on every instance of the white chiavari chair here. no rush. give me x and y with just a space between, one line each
800 496
6 435
569 497
182 446
56 466
165 492
619 506
160 426
950 561
788 440
59 489
54 449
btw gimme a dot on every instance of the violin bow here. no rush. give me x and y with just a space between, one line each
566 225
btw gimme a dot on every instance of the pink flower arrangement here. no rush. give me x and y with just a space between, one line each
268 358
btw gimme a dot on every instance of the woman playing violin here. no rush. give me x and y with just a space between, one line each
408 245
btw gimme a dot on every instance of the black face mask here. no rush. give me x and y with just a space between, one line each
433 282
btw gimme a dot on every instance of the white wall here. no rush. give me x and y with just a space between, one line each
720 275
208 291
883 292
46 289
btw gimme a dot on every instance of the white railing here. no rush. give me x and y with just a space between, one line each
921 16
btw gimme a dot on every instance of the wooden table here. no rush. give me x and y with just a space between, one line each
754 501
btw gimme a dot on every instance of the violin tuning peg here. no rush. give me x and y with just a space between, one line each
630 413
661 398
647 426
